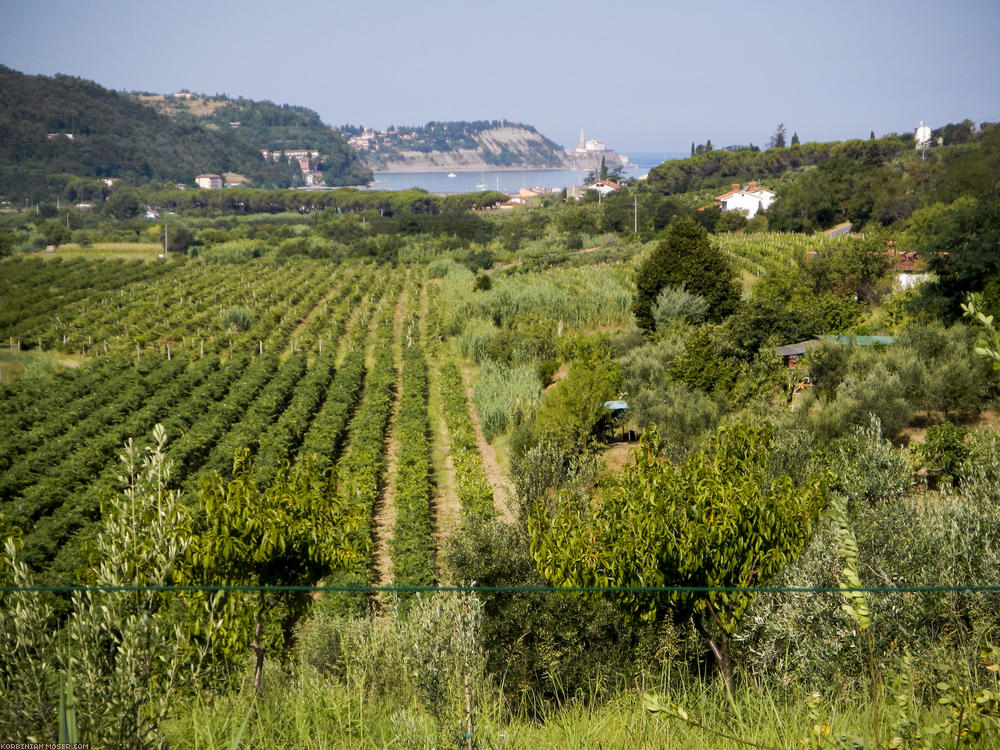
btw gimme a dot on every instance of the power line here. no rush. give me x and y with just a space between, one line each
472 589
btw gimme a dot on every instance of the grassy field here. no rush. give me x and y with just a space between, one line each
107 250
15 364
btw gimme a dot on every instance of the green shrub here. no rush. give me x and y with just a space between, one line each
674 305
421 656
241 318
943 451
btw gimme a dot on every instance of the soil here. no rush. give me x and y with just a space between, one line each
616 456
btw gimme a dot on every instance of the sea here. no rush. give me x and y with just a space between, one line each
510 181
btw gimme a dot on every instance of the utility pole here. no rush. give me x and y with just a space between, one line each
635 206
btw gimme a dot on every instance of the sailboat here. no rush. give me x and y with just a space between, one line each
481 185
452 174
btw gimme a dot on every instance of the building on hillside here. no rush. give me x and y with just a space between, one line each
604 186
209 181
535 192
752 198
588 146
922 135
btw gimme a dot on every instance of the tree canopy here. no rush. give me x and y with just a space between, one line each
686 259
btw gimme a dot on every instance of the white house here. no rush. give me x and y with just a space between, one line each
922 134
751 199
209 181
604 186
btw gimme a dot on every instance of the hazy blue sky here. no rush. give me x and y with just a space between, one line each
642 75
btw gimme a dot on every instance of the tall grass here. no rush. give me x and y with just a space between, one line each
301 710
505 395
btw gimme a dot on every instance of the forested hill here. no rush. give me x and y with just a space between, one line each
265 125
66 125
482 144
719 167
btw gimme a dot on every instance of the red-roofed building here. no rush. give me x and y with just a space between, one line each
752 198
604 186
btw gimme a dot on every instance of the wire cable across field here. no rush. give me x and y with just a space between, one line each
472 589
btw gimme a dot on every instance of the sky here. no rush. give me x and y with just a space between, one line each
642 75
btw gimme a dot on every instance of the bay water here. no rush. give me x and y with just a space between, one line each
510 181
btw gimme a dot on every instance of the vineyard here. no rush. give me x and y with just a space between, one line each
760 255
282 361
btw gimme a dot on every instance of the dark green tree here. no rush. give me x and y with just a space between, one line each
123 203
960 244
795 139
56 232
8 241
179 238
778 139
685 258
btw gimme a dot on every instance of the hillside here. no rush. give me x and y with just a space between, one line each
265 125
462 147
63 124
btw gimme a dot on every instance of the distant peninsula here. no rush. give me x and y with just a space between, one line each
472 147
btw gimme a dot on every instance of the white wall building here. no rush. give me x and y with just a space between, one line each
922 134
209 181
751 199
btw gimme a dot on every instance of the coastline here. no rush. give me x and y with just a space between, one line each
467 169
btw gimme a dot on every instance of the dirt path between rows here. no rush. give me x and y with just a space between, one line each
385 512
502 492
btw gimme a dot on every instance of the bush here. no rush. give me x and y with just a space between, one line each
878 393
234 251
943 451
674 305
809 643
423 655
483 283
682 416
549 647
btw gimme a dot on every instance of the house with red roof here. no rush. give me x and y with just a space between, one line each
752 198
